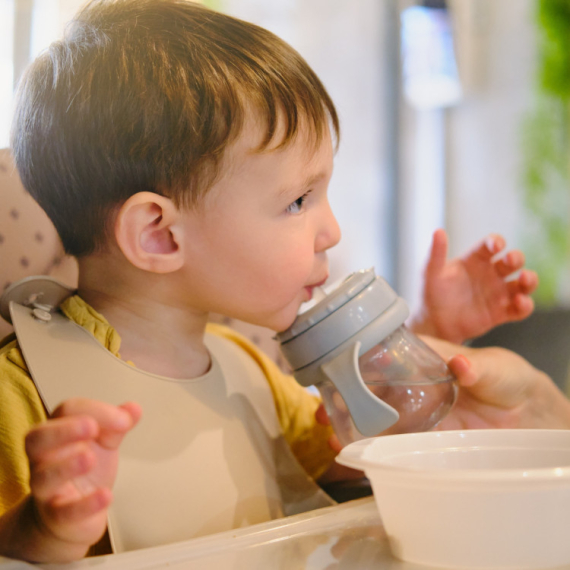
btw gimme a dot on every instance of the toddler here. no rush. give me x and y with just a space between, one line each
184 158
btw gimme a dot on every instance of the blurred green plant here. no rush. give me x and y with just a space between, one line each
546 151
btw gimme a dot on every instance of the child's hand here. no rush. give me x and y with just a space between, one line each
465 297
73 463
323 419
500 389
336 472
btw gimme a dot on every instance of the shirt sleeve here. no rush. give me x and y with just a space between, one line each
20 409
295 407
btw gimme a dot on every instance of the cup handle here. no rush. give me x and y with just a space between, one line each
370 414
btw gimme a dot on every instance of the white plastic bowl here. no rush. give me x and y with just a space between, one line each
472 499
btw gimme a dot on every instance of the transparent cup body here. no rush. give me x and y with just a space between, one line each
406 374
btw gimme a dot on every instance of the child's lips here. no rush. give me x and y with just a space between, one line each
310 288
320 283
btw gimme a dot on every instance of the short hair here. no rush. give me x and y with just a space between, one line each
146 95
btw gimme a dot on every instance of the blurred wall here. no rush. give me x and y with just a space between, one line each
479 140
484 144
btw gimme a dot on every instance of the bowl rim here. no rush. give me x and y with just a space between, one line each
353 456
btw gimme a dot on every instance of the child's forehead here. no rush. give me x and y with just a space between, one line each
298 156
253 134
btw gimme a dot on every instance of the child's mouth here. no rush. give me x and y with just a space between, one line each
316 290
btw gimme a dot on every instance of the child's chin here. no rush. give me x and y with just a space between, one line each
281 323
277 320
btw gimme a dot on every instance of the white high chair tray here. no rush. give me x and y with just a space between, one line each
348 536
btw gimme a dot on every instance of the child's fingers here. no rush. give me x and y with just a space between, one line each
76 522
108 416
321 416
134 410
521 307
489 247
510 263
527 281
111 439
48 478
438 252
57 433
73 512
334 443
513 262
114 421
525 284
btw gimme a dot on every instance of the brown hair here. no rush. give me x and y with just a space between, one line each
145 95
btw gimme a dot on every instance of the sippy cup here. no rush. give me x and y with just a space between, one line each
374 375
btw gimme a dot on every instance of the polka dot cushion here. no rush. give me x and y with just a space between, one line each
29 244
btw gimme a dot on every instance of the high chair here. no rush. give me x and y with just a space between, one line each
29 244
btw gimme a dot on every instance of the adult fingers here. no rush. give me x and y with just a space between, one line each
502 378
462 369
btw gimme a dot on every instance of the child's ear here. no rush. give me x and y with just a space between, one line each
148 232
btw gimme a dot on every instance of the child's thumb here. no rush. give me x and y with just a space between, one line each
130 415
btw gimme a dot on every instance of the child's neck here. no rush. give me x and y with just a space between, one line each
157 336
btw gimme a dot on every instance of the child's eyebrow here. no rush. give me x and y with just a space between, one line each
309 181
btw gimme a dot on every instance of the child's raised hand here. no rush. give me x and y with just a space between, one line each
465 297
73 463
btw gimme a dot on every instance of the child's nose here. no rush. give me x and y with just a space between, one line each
329 234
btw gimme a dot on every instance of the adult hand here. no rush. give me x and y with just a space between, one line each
500 389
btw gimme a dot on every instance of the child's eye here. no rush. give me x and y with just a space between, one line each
297 206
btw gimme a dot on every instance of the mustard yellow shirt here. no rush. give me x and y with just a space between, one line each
21 407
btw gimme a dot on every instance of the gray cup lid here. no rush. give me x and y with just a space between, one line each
350 287
355 303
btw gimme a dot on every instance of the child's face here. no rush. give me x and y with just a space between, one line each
257 246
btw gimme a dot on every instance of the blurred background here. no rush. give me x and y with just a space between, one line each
453 114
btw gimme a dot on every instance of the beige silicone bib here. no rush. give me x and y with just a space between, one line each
208 454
